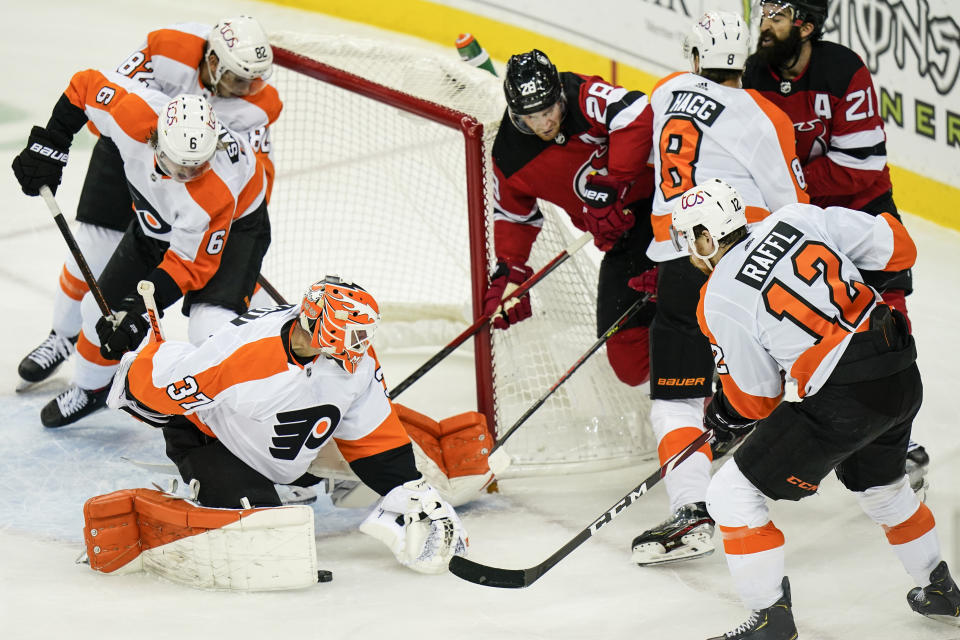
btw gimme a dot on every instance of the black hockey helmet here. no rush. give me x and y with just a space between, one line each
812 11
532 83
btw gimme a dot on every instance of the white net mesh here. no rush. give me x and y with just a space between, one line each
379 196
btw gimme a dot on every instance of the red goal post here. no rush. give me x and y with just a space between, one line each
383 174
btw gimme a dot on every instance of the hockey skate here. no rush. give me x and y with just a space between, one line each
773 623
918 463
40 364
687 534
939 600
71 405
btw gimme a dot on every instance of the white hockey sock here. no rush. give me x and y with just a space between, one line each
675 423
908 524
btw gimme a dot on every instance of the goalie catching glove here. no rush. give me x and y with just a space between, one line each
604 215
504 280
729 427
418 526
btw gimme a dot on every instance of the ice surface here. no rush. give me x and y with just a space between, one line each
847 583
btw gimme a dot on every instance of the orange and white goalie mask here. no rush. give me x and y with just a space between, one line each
341 318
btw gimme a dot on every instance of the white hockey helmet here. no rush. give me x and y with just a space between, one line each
721 39
714 205
187 137
244 54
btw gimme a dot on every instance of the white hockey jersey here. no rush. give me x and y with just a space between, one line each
169 61
193 217
243 386
704 130
784 303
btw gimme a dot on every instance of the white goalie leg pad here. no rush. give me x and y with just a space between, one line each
421 529
462 489
264 549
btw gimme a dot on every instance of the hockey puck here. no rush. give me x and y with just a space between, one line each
324 576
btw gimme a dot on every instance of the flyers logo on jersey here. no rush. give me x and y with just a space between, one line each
308 428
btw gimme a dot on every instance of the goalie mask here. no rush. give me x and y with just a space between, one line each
713 205
187 137
721 40
341 318
245 58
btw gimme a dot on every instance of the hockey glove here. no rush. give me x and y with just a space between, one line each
503 280
122 332
603 213
42 161
646 282
729 427
418 526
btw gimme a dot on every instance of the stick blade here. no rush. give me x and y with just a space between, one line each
488 576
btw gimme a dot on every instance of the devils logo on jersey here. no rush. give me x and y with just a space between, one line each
811 138
597 163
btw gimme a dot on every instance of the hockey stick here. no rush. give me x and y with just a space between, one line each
270 289
621 321
480 322
145 289
75 250
517 578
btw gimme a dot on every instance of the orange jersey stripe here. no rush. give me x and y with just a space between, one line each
72 286
809 360
87 90
666 79
269 101
677 440
904 250
91 352
251 190
253 361
745 540
919 523
389 435
749 406
214 197
786 135
185 48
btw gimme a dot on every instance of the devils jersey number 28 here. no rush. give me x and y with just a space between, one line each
852 299
679 149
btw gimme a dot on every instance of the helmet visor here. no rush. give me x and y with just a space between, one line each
179 172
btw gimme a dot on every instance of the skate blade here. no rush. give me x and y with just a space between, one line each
951 620
23 385
696 545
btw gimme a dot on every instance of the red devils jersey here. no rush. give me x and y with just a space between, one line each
840 136
601 125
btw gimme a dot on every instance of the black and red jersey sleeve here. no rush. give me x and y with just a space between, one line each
856 156
623 117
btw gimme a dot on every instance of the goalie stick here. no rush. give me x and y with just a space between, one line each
75 250
482 321
621 321
270 289
518 578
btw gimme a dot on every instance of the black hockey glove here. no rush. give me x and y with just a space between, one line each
42 161
729 427
124 332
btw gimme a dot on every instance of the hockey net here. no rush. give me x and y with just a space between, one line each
382 178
